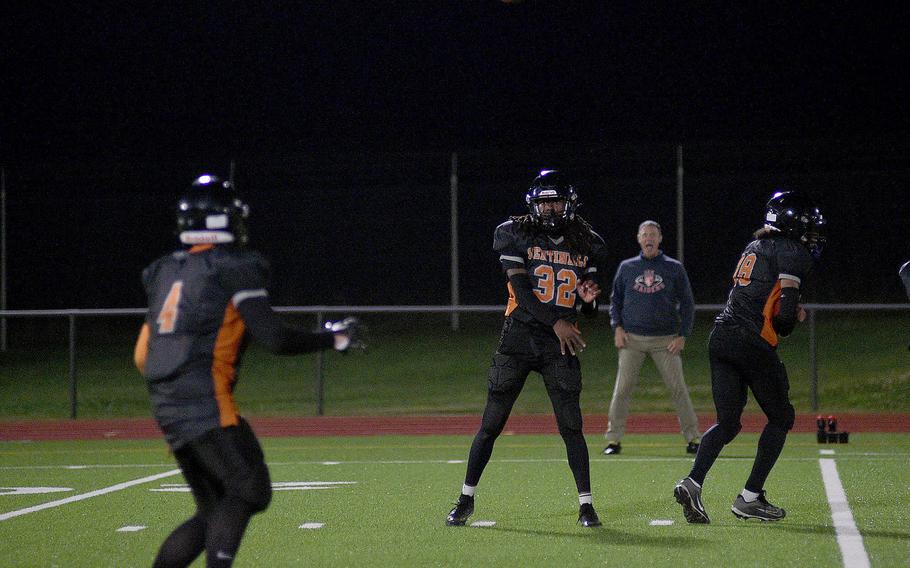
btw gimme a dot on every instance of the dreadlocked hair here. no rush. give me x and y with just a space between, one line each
578 233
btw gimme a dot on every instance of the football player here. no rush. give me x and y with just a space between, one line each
204 301
763 306
550 257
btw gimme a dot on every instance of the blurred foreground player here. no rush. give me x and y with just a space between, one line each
763 305
905 276
203 301
550 257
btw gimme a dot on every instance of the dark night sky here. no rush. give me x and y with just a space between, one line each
94 88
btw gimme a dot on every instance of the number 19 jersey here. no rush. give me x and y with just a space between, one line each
756 284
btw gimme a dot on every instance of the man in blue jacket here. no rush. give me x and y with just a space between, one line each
651 311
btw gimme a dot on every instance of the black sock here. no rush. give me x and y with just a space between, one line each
579 462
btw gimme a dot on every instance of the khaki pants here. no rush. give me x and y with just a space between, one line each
631 358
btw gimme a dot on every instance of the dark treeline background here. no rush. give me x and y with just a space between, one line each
373 227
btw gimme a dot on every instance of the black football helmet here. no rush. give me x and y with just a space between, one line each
552 185
796 216
211 212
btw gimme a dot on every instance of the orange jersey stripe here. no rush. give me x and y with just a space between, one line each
513 303
224 373
141 351
772 306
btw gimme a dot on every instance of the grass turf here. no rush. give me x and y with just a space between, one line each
417 365
393 514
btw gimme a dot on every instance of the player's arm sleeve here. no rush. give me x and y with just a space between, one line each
794 267
272 331
524 295
686 303
785 320
905 276
246 278
617 296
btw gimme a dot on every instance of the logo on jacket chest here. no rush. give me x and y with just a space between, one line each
649 282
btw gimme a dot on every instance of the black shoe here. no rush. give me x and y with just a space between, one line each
612 449
587 516
692 448
758 509
463 509
688 494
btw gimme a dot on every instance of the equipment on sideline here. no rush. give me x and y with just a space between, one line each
831 435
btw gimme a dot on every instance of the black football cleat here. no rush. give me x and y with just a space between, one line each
688 494
587 516
463 509
612 449
759 509
692 448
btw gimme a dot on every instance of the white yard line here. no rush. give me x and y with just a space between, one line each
88 495
849 539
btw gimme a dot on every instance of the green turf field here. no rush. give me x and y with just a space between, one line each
390 511
417 365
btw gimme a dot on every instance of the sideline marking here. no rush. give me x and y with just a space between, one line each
312 525
276 486
826 452
849 538
483 524
32 490
661 522
131 528
88 495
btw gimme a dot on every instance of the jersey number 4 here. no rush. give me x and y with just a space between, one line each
561 286
742 276
167 318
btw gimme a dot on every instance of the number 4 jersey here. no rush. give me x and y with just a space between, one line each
193 335
756 284
553 267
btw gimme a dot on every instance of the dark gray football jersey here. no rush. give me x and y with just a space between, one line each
756 283
553 267
196 334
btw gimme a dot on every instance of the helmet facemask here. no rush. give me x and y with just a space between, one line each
548 188
551 213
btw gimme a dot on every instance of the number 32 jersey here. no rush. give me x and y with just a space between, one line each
554 268
756 284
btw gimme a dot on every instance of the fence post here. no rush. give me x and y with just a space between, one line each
320 367
72 318
813 361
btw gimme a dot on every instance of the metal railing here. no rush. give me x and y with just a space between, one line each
320 312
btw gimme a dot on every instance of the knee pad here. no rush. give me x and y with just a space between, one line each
783 419
505 373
